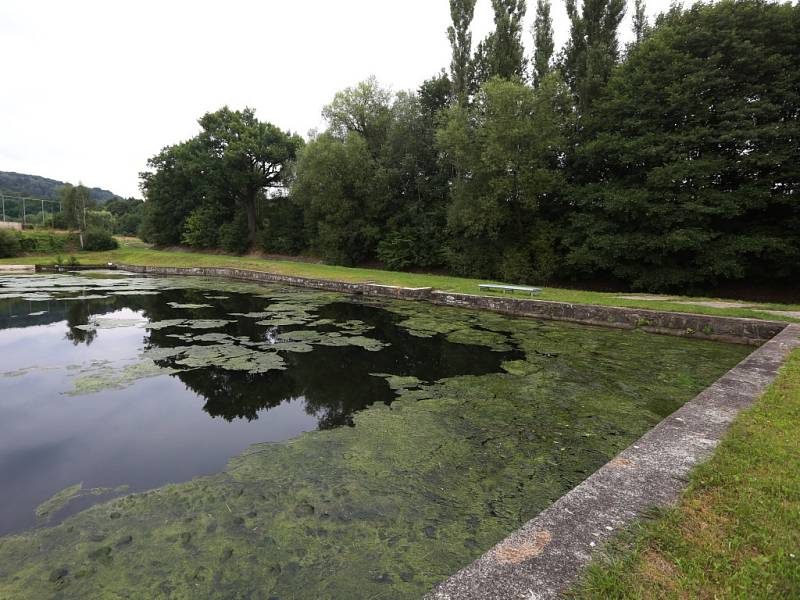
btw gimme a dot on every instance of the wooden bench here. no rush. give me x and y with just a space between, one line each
510 288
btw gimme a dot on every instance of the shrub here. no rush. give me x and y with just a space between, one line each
9 244
47 242
398 251
283 231
97 239
202 228
234 236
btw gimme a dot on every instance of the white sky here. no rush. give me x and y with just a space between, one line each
90 89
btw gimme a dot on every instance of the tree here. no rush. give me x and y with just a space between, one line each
414 234
640 25
461 12
244 158
593 48
229 166
173 188
501 54
363 109
510 147
691 175
74 204
543 41
335 185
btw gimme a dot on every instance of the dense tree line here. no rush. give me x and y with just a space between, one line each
668 164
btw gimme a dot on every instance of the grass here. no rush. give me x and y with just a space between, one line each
736 531
134 252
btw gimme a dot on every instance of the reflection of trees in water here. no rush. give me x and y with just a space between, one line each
335 381
78 313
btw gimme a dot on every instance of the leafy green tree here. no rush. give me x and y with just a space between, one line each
690 175
640 25
510 148
501 54
74 204
201 229
229 166
542 41
593 47
335 185
415 231
461 12
173 188
244 157
364 109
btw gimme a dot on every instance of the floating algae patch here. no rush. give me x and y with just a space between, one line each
188 306
102 378
454 444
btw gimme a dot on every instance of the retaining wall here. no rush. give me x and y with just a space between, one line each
729 329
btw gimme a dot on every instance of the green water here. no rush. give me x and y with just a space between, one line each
384 502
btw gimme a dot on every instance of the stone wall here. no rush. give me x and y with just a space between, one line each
728 329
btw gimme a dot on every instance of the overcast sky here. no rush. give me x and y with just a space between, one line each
89 89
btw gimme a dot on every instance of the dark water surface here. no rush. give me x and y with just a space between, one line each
313 445
172 427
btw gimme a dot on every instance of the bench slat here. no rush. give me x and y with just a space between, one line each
515 288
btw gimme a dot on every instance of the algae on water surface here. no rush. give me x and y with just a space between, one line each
415 490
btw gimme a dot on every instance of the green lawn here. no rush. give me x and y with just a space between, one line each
136 253
736 531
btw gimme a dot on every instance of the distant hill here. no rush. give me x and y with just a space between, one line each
42 187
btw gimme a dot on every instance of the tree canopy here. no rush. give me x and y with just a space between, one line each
669 165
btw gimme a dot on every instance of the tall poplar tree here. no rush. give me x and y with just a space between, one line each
508 55
460 36
542 41
501 54
640 25
593 47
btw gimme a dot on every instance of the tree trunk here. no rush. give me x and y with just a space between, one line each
251 221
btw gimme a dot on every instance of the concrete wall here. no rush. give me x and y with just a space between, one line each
729 329
10 225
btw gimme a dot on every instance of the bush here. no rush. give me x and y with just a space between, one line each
398 251
46 242
9 244
97 239
100 219
202 228
283 231
234 236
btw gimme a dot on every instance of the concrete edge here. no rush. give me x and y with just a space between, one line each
17 268
546 556
727 329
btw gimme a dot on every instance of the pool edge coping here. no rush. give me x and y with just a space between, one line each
546 556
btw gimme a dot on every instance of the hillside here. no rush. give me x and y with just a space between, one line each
42 187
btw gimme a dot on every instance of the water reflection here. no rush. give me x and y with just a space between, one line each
151 431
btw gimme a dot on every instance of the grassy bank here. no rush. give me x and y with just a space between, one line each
735 533
133 253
